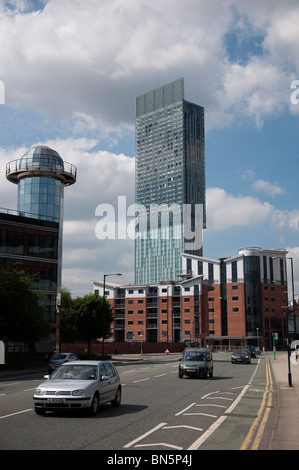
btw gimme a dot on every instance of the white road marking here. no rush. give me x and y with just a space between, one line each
17 413
144 435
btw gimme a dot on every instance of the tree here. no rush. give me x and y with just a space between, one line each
93 317
68 327
21 317
84 318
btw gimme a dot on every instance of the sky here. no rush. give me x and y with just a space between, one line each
70 72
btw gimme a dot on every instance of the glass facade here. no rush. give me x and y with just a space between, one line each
170 171
31 245
41 175
41 197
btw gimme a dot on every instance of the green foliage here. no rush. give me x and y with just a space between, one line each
84 318
21 317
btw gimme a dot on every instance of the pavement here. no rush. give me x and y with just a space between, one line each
282 429
284 434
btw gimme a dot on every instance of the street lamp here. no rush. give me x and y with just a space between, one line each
287 319
103 321
293 294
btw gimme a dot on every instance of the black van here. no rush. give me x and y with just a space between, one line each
196 362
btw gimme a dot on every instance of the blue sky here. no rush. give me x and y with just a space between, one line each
72 71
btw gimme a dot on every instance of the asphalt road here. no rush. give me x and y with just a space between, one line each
159 411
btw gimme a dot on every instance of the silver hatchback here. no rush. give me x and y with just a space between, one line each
79 385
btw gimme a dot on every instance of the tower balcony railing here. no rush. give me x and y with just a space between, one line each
15 168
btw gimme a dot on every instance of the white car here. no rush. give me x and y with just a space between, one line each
79 385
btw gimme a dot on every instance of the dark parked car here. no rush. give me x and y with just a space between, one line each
251 350
79 385
59 359
241 355
196 362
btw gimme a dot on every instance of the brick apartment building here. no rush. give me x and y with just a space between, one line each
225 302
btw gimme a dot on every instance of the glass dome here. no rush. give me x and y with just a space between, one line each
41 157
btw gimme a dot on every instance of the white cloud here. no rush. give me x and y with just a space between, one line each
86 61
260 185
225 211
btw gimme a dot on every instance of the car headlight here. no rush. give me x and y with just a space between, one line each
40 392
78 393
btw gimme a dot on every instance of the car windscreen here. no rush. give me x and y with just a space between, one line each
58 357
192 356
75 372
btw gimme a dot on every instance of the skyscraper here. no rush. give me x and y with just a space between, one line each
170 182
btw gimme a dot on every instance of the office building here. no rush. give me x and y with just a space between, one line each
32 237
170 182
31 245
41 176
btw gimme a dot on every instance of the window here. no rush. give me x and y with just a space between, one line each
110 370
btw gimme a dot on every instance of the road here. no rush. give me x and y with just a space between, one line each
159 411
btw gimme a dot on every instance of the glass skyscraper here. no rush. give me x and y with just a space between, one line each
170 182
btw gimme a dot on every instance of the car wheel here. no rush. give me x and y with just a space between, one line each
211 372
116 402
181 375
39 411
94 405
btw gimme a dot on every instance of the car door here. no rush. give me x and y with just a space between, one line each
113 380
104 384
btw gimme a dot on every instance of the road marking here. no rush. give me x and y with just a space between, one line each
200 414
163 444
17 413
144 435
161 375
264 406
9 385
140 380
221 398
211 404
185 409
196 444
183 426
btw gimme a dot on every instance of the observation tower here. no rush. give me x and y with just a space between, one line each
41 175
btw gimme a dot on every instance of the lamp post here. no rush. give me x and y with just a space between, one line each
288 338
103 320
293 295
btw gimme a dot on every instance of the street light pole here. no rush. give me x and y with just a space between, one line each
293 294
103 320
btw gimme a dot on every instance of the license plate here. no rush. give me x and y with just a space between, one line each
56 400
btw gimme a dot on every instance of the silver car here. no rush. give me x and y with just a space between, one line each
60 358
79 385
